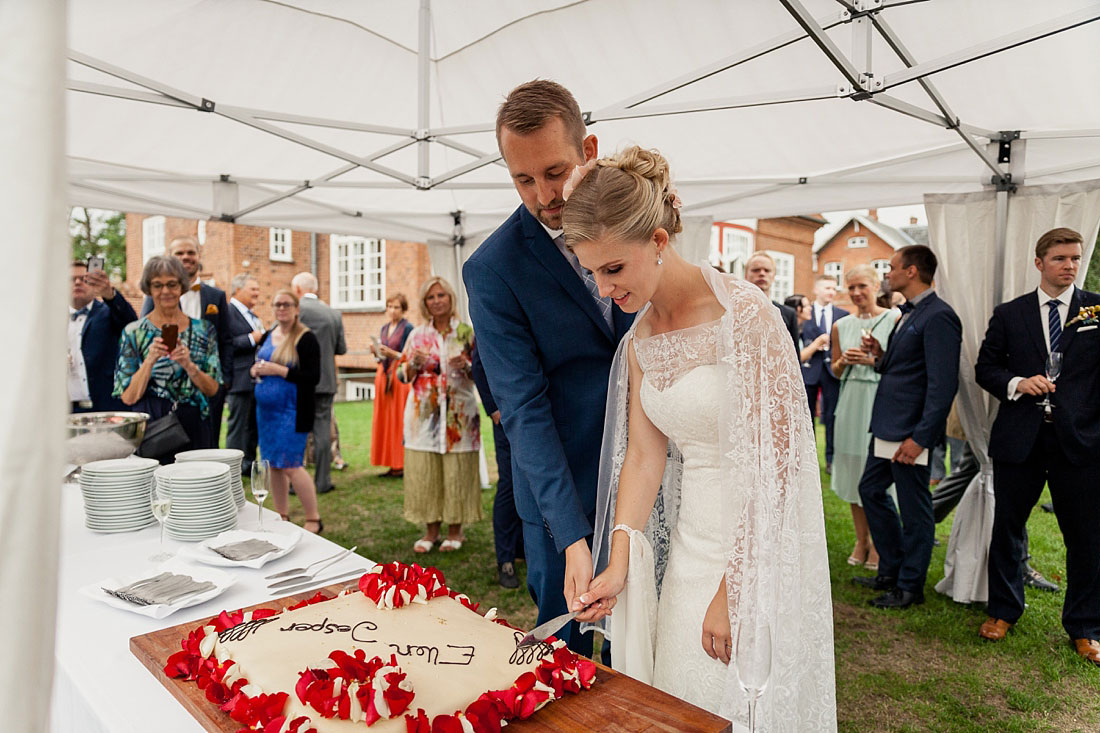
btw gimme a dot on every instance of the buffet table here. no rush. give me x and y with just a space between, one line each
99 686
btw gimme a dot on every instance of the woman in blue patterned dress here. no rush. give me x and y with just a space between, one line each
150 377
288 365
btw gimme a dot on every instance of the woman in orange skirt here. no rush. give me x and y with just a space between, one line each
387 428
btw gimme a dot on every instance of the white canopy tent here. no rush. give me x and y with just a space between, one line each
376 119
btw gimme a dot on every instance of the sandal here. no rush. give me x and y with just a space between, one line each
318 522
871 565
423 545
284 517
450 545
856 561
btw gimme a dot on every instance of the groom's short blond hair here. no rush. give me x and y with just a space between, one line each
531 105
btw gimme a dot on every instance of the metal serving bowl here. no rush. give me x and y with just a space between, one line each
96 436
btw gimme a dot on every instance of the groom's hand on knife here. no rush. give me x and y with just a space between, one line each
578 573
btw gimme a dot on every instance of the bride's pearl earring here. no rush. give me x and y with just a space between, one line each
659 260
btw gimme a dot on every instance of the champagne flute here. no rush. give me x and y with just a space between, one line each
754 664
161 504
261 485
1053 370
258 379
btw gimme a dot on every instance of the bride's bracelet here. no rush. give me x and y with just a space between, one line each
623 527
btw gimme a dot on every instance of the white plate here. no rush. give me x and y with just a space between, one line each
192 471
285 539
113 465
221 579
225 455
111 529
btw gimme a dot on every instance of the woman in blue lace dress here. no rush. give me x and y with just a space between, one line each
288 366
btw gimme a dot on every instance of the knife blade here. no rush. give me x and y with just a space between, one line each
543 630
323 581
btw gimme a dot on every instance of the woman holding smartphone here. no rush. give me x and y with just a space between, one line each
167 361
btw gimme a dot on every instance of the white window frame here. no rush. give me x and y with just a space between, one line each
359 391
201 235
783 284
152 237
857 242
882 267
737 247
280 245
370 292
835 270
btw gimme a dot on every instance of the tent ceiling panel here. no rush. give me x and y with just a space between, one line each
306 89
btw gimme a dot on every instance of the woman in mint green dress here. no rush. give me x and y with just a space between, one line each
858 384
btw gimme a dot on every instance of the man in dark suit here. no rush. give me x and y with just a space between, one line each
507 528
760 271
920 375
547 341
94 331
818 376
246 332
328 325
204 301
1032 445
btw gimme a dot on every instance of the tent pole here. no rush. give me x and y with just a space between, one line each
423 88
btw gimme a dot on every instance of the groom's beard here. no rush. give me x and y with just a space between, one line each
551 221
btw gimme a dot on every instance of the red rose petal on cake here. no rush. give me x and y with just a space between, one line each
587 671
419 723
446 724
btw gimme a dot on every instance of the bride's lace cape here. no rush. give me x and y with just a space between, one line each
777 573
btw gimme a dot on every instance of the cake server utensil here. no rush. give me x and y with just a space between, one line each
308 576
301 571
540 632
324 581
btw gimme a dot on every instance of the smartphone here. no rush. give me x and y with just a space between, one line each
96 264
170 334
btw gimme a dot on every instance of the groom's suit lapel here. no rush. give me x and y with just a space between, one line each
547 254
900 332
1075 304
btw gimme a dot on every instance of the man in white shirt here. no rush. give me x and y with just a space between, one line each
1033 444
246 332
94 330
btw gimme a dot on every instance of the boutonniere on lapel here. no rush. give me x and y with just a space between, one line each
1088 315
211 310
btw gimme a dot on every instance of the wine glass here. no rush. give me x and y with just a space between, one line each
261 485
258 379
161 504
1053 369
754 663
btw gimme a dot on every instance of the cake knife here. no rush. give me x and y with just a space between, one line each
540 632
324 581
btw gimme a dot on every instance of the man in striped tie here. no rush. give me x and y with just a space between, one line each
1032 444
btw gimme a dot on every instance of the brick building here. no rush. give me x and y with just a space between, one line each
860 239
356 274
789 240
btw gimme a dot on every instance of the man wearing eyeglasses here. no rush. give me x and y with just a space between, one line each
97 315
204 301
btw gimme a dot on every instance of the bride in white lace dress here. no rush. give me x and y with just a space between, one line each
710 541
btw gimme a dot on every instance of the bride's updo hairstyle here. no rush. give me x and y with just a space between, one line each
627 197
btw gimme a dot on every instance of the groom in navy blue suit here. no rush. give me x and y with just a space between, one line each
920 375
1059 446
546 340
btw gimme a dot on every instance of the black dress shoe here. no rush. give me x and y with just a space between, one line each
1034 579
897 598
878 582
506 576
326 489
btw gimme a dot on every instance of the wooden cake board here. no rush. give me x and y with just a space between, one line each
615 702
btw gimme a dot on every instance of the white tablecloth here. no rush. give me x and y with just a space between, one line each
99 685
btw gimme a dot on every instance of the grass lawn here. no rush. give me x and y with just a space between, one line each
924 669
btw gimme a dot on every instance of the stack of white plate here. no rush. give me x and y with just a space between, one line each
117 494
202 499
229 456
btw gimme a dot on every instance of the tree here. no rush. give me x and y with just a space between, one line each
100 233
1092 274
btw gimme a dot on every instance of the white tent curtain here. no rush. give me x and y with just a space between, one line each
34 251
693 242
974 276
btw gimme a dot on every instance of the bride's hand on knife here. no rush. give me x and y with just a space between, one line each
717 639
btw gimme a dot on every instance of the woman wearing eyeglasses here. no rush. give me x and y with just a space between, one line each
158 371
287 370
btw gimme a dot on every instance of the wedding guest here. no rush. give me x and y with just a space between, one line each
760 271
327 326
804 312
818 376
390 393
152 378
442 422
705 378
1032 446
547 341
858 384
288 368
507 527
939 460
207 302
97 315
919 377
246 332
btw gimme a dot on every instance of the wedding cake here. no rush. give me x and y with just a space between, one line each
403 653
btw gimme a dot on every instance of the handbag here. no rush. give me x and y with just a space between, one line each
164 437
